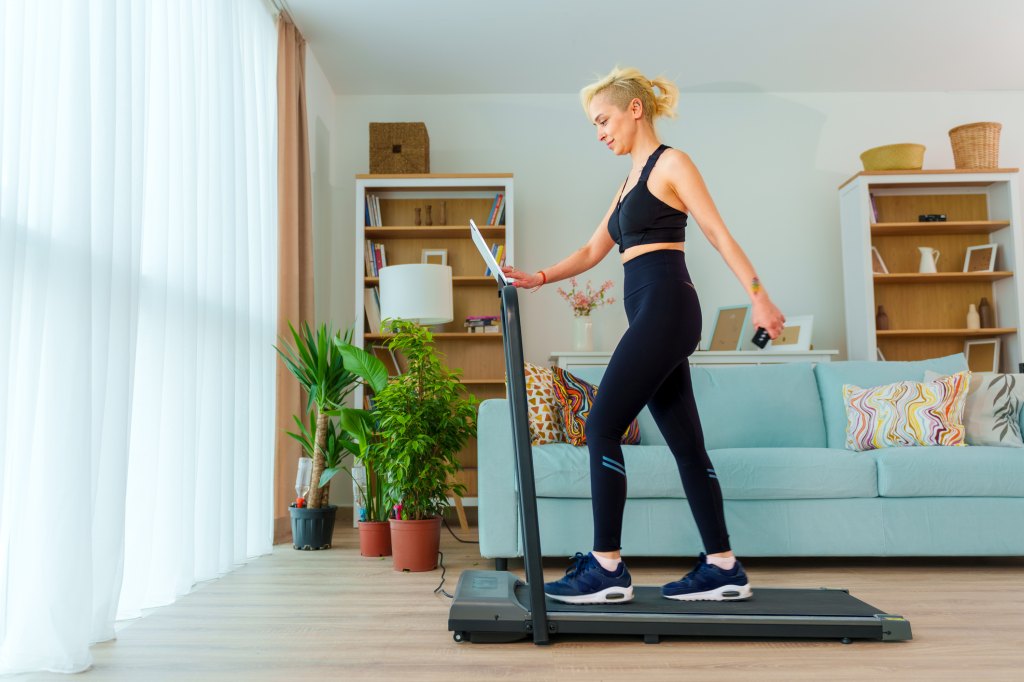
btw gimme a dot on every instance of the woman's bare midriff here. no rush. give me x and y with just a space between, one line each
640 249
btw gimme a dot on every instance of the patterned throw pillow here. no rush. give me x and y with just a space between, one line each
992 413
576 397
543 407
906 413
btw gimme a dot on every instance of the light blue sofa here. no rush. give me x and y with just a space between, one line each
776 435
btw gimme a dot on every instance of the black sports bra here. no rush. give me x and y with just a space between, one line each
644 218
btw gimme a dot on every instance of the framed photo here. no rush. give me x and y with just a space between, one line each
388 357
435 256
982 354
727 334
796 335
877 264
981 258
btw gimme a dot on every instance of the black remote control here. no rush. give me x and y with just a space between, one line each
761 337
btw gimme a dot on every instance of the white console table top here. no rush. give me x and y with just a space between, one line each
569 359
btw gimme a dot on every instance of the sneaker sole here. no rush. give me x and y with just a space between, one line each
723 593
610 595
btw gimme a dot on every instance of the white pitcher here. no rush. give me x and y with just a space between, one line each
929 259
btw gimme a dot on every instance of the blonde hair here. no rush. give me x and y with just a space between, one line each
623 85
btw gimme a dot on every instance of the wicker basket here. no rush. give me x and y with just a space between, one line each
399 148
905 156
976 145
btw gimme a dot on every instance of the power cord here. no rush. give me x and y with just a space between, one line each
440 587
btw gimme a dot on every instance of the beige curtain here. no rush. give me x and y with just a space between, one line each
295 249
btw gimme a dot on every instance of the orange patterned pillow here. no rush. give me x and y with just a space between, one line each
544 409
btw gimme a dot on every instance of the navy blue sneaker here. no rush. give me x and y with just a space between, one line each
708 582
587 582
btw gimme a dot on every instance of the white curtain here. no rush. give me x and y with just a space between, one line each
138 275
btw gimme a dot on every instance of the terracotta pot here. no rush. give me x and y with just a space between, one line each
374 538
415 544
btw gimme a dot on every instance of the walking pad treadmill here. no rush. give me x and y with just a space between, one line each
497 606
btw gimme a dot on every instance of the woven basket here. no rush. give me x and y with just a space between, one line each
976 145
905 156
399 148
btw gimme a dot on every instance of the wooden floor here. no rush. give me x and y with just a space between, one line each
333 615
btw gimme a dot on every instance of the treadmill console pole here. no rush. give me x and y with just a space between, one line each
513 341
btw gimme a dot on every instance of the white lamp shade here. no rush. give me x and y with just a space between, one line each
417 292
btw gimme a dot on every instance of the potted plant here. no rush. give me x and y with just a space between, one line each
317 363
424 419
361 439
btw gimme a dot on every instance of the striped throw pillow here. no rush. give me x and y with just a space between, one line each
576 397
906 413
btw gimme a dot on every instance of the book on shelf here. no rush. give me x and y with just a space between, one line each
482 324
380 258
373 217
371 303
497 209
498 251
370 260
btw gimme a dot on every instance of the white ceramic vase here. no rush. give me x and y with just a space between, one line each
583 333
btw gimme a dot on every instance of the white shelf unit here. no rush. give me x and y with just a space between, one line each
927 312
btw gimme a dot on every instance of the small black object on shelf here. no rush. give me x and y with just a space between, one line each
932 218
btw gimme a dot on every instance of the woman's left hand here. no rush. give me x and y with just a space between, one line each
766 315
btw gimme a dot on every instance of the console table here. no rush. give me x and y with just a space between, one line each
572 359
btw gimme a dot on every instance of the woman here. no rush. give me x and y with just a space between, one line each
649 366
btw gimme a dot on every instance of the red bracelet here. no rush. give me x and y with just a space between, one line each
544 277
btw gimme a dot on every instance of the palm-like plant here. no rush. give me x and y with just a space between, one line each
361 433
317 363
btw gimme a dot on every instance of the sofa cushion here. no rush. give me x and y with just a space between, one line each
748 406
759 406
832 375
906 413
935 471
545 412
562 470
645 422
992 412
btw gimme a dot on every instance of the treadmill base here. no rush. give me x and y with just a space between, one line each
492 606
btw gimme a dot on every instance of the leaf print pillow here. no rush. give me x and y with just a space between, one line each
992 413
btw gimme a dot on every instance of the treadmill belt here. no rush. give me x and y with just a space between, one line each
765 602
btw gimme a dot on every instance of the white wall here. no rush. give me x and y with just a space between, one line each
330 244
772 161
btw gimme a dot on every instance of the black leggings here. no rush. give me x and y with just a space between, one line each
650 367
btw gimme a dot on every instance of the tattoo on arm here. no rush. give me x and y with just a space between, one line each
755 285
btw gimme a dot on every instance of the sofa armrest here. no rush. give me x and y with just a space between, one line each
497 496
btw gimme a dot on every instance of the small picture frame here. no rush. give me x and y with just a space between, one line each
434 256
877 264
796 335
982 354
388 357
730 322
981 258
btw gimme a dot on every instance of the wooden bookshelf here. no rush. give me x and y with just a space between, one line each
454 199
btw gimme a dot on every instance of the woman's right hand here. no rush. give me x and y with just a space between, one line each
523 279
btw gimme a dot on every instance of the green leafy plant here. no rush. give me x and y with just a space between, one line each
315 360
361 433
424 419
